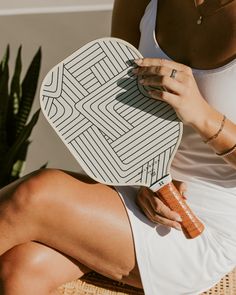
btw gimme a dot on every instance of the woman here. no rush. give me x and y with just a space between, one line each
191 47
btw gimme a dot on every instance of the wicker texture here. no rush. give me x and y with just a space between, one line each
96 284
226 286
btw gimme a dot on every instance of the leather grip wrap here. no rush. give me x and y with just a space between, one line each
191 225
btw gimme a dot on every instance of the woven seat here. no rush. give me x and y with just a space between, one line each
96 284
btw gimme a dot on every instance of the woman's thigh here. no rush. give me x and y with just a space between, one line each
86 221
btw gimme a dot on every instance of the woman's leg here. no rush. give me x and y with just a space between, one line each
34 268
83 219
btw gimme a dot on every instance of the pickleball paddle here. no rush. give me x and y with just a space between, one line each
113 128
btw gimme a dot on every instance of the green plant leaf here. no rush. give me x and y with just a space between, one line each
29 86
5 59
21 155
44 166
16 170
15 91
10 157
15 108
14 99
4 77
20 161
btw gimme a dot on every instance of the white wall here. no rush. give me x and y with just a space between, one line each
59 34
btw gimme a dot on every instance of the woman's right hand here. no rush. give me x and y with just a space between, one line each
156 210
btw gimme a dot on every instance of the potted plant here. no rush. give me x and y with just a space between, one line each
16 99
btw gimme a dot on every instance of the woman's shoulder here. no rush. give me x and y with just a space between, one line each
126 18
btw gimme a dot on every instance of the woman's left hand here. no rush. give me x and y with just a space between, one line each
180 90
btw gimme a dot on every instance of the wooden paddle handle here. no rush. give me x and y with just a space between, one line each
191 225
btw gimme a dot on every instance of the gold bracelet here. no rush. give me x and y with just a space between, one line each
218 132
228 152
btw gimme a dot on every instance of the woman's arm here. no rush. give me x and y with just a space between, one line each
184 96
126 17
218 132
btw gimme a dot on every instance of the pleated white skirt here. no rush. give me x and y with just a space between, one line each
170 264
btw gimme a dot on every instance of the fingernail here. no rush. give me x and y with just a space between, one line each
155 91
178 227
184 196
178 218
138 61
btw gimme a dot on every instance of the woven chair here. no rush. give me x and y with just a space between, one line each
96 284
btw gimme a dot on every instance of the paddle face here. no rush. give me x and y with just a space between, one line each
117 133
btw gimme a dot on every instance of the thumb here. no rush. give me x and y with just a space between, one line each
181 187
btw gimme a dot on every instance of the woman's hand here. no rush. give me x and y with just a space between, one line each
156 210
180 91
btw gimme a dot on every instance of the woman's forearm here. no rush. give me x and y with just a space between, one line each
218 132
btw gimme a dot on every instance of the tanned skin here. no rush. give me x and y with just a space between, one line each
55 225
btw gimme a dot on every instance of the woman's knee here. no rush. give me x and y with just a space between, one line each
33 190
19 267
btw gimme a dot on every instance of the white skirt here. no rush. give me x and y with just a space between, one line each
170 264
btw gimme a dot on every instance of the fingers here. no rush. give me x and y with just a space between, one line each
165 81
160 71
181 187
156 210
166 96
158 62
162 67
173 83
156 73
152 71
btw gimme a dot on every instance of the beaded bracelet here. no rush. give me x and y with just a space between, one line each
228 152
218 132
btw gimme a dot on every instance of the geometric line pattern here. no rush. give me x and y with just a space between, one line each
117 133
